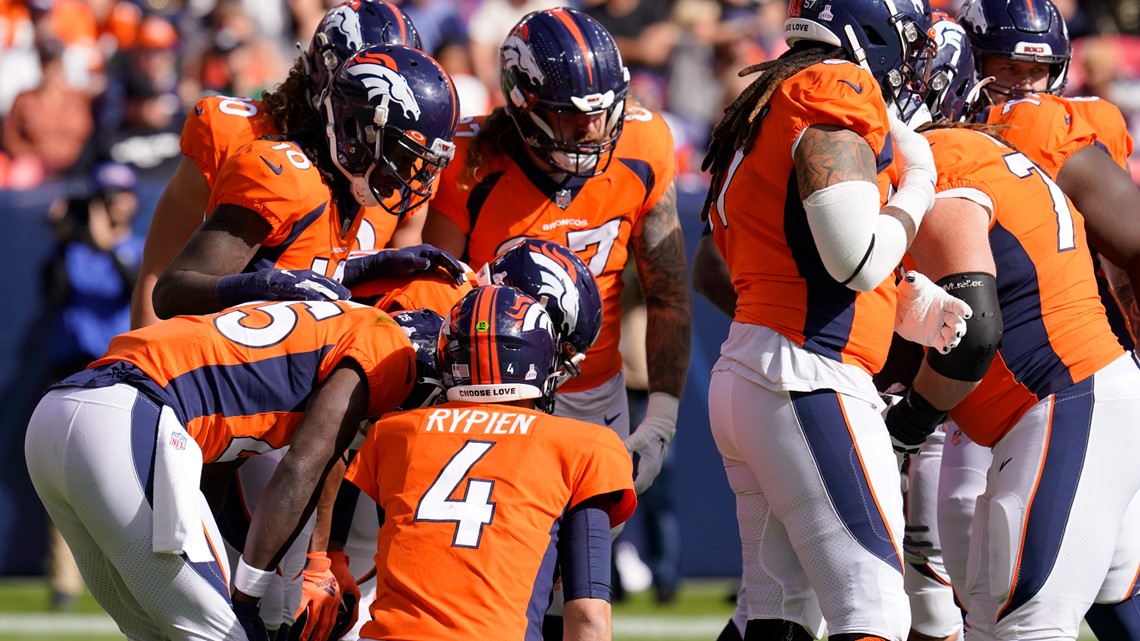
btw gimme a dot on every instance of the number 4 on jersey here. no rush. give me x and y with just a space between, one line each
471 512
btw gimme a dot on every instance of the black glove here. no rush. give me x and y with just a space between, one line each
279 284
910 421
248 615
402 262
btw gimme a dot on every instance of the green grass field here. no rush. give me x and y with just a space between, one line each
699 614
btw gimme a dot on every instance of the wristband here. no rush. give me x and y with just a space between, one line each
250 580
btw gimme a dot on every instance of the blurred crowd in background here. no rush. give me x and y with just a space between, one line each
83 82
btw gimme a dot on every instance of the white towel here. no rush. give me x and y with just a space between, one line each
177 515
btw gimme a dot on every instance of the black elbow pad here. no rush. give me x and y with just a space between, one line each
972 357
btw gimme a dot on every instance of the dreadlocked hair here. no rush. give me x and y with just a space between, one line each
288 104
497 136
737 130
993 131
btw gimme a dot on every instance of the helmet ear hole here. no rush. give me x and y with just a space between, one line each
874 37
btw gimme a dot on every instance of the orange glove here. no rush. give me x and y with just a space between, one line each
320 598
349 594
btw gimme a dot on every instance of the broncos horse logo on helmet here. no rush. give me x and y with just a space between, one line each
954 87
379 80
348 27
497 344
554 276
1019 30
393 109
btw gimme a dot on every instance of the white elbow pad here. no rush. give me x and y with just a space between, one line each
858 247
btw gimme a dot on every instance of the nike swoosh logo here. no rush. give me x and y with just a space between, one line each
1003 463
199 111
609 420
857 87
277 169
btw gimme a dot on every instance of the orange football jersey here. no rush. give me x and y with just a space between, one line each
593 217
1043 127
239 379
436 290
279 182
472 496
1049 130
761 228
1055 329
219 126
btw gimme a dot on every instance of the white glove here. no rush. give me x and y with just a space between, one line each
917 174
650 441
927 315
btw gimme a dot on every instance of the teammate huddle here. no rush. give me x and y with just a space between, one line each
196 469
1035 523
288 253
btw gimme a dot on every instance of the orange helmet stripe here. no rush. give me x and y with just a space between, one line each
565 19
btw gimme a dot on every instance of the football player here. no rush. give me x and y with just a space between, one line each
1024 46
569 160
286 207
1052 532
220 125
801 215
532 488
115 452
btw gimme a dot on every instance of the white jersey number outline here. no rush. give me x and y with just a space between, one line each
1022 167
470 513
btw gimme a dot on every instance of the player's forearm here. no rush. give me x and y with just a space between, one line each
942 392
289 499
587 620
186 292
319 540
667 338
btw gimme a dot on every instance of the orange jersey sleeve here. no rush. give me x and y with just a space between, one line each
1055 329
239 379
1043 127
760 226
472 496
1111 128
218 126
594 217
376 229
277 181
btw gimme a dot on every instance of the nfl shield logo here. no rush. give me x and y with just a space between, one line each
562 198
178 441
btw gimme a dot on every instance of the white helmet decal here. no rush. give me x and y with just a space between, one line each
518 54
557 284
381 80
349 25
950 34
974 14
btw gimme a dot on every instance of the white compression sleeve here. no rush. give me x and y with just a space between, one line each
859 247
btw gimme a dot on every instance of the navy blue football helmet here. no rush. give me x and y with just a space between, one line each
423 327
554 276
1022 30
559 66
954 87
498 344
348 28
888 38
390 114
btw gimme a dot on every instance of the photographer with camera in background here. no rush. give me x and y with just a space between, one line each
88 281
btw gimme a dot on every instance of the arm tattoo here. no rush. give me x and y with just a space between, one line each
659 248
827 155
